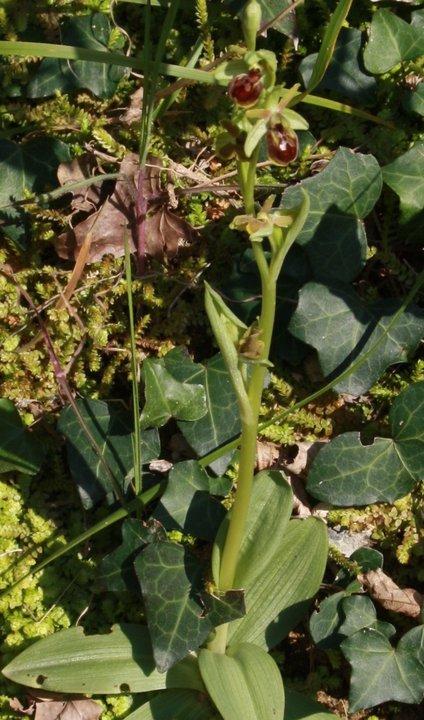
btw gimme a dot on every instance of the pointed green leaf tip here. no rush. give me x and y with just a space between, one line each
244 684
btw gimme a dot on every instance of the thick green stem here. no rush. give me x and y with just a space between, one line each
247 457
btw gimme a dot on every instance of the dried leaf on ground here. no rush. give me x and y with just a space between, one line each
306 452
384 590
266 455
55 707
144 217
84 199
133 113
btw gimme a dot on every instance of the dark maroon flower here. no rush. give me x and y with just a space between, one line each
245 89
283 145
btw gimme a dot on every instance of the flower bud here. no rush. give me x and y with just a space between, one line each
251 22
283 145
245 89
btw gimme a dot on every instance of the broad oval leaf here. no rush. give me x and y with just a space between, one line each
244 684
176 705
20 450
120 661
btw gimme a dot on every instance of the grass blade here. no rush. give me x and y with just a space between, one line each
328 43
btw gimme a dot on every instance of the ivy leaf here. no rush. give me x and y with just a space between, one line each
341 195
381 672
170 390
187 504
405 176
180 616
392 41
341 327
413 102
325 622
345 472
116 570
221 421
87 31
20 450
111 426
345 73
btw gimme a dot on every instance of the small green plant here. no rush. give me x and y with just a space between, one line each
221 584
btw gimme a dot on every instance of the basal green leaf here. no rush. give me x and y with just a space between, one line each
244 684
222 420
20 450
328 43
341 195
176 705
281 564
346 472
187 505
405 176
86 31
337 323
407 425
119 661
381 672
170 390
301 707
392 40
111 426
345 74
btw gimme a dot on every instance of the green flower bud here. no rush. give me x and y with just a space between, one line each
251 22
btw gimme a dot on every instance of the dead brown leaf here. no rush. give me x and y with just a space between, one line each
84 199
306 452
137 209
384 590
266 454
133 113
54 707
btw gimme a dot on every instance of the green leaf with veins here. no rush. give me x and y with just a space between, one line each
117 662
392 41
336 322
244 683
187 504
177 609
222 420
345 74
20 450
170 390
341 196
413 101
381 672
116 570
111 426
87 31
405 176
176 704
346 472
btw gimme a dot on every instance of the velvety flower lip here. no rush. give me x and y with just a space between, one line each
245 89
283 144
